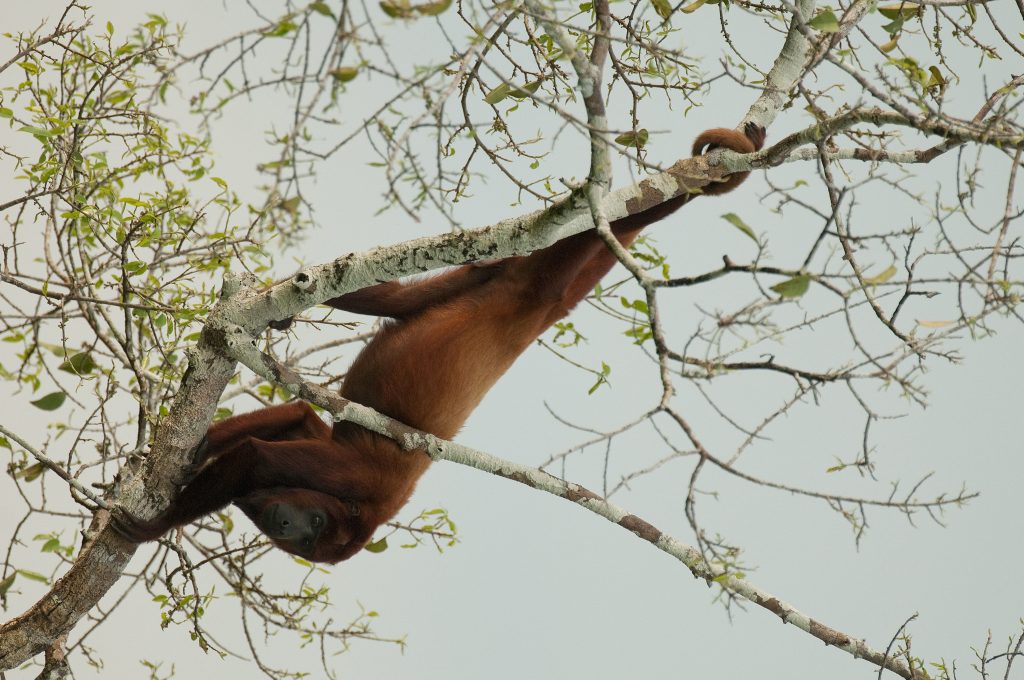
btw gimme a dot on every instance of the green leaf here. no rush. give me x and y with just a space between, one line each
79 364
794 287
37 131
635 139
693 6
602 378
322 8
32 472
893 28
343 74
525 91
33 576
910 67
663 8
432 9
290 205
734 220
882 276
638 305
902 11
51 402
396 9
377 546
6 113
6 584
825 21
227 524
119 96
640 334
281 30
497 94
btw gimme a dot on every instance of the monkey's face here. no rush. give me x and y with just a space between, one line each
309 524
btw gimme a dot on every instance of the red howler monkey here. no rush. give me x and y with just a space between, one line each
320 492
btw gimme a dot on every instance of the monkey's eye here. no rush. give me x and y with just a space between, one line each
316 521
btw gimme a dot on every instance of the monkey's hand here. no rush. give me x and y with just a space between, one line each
134 529
199 457
282 324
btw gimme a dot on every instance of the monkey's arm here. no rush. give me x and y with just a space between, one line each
400 299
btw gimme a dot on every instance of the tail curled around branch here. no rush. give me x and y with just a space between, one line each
750 140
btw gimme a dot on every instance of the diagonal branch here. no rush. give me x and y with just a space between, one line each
411 439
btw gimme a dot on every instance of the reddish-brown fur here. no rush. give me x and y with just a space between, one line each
452 336
723 138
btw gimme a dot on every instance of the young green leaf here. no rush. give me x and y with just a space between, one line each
525 91
734 220
497 94
635 139
34 576
396 9
32 472
51 402
432 9
343 74
377 546
794 287
825 21
882 276
663 8
79 364
903 10
322 8
6 584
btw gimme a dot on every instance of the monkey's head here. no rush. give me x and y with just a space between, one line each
309 524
